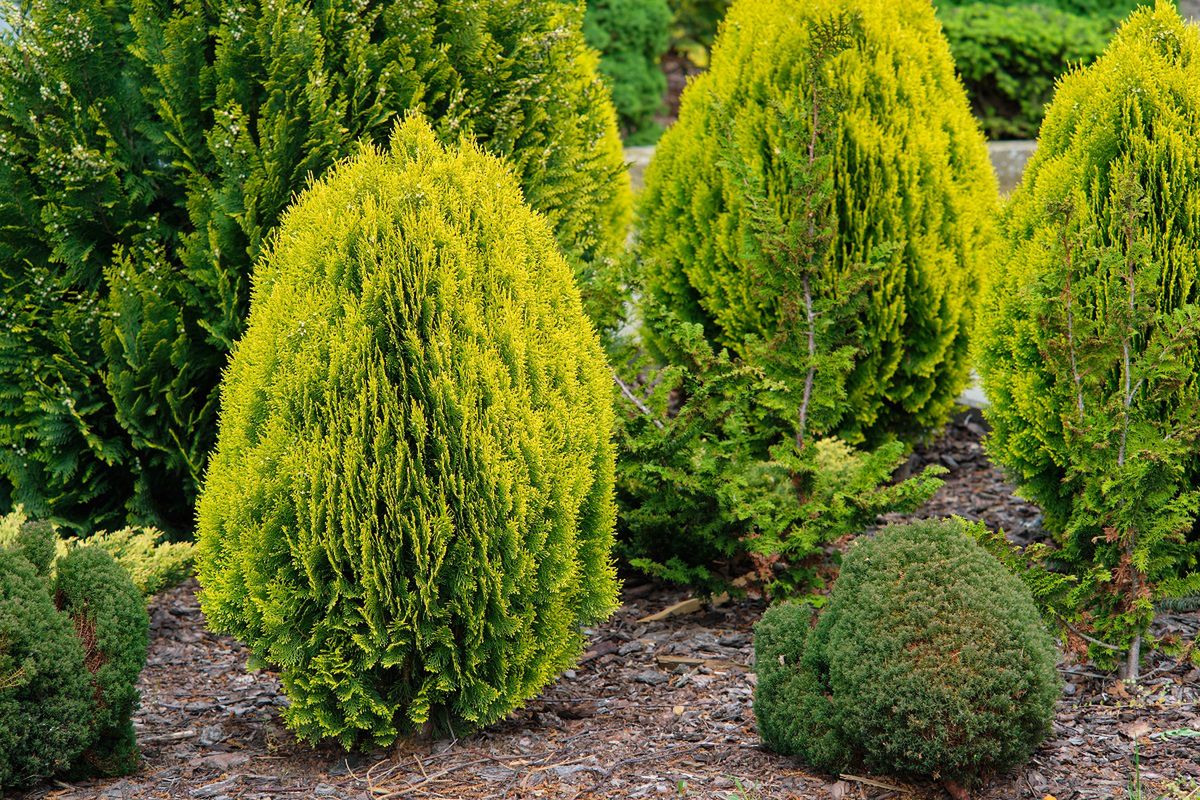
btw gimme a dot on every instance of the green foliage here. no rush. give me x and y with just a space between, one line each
1094 8
695 26
110 619
409 513
730 455
930 660
82 186
71 649
897 174
152 563
720 484
1089 341
632 36
1010 58
155 143
45 693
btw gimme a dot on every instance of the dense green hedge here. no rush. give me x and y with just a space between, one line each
929 660
154 145
409 512
1010 58
632 36
1088 345
1113 9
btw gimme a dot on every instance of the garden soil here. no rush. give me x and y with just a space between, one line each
654 709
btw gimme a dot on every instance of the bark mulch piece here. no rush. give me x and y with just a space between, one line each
654 709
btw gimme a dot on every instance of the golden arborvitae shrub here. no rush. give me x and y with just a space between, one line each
409 513
907 195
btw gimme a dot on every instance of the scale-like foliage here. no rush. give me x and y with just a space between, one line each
147 149
930 660
409 512
83 189
1088 344
911 194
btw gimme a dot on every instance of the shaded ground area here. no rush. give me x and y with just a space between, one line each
655 709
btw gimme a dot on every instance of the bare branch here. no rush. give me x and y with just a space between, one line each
642 407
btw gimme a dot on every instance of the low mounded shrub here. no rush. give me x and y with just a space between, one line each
930 660
1088 344
632 36
1010 57
153 563
73 638
409 513
907 229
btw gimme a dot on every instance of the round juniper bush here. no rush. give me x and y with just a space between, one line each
73 637
913 196
930 660
45 693
409 512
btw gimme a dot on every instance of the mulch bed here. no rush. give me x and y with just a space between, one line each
654 709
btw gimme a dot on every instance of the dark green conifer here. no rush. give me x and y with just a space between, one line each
147 150
929 660
72 645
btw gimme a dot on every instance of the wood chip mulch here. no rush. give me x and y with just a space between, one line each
654 709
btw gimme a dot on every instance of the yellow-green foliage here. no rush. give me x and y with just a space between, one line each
1088 342
913 195
930 660
152 563
409 512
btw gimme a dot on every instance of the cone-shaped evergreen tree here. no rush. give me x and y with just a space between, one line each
1089 340
409 512
909 217
148 149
